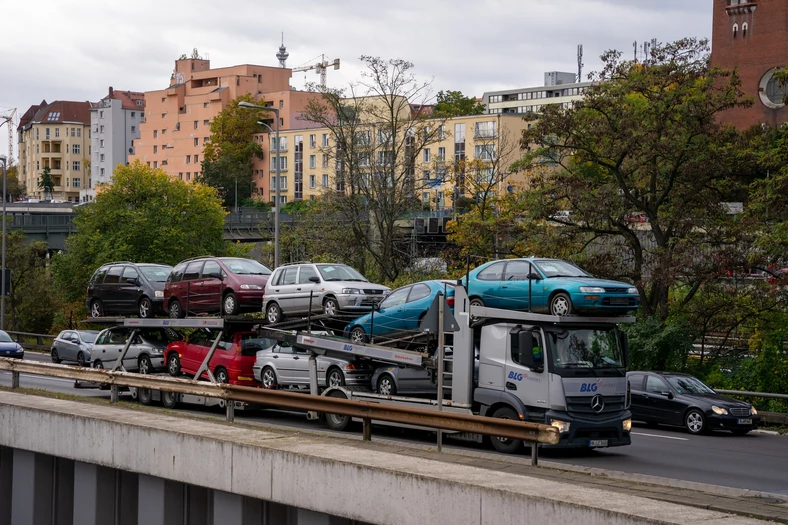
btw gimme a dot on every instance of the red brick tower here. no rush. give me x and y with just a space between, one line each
752 35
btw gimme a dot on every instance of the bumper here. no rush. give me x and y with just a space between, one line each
732 422
250 299
358 302
13 355
158 305
585 433
605 302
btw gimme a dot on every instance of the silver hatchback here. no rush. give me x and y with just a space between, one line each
333 288
73 346
145 355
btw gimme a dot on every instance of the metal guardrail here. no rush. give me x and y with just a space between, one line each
769 417
367 411
38 345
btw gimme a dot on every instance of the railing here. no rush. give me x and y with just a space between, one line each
23 339
769 417
367 411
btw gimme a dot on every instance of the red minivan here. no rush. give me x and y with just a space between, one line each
226 285
231 363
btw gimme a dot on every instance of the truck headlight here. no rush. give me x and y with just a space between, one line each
719 410
753 412
351 291
562 426
251 287
158 293
626 425
591 289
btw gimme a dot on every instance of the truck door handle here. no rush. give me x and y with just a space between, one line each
644 395
296 357
298 289
511 386
275 357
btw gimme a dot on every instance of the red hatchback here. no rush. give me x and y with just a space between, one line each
226 285
231 363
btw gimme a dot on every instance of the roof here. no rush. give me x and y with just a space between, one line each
61 111
30 113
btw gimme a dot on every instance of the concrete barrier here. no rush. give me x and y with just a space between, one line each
323 475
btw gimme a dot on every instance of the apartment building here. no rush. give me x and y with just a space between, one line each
559 88
115 122
55 135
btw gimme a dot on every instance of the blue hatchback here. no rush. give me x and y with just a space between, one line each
400 313
557 288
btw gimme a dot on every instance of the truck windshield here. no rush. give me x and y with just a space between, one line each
586 348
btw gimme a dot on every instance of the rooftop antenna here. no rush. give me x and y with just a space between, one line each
635 45
282 54
580 63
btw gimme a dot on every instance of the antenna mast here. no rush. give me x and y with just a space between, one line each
580 63
282 54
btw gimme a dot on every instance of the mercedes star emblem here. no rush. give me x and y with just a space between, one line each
597 403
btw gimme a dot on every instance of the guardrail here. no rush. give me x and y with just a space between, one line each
364 410
769 417
38 345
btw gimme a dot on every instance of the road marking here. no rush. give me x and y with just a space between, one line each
659 436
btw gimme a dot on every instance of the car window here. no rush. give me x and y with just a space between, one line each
156 274
636 381
117 337
339 272
203 337
176 274
517 271
88 337
280 349
130 273
419 291
290 275
102 338
160 335
192 271
113 275
494 272
306 273
211 268
98 276
245 267
396 298
556 268
689 385
656 385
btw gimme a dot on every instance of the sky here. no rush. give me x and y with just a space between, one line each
76 49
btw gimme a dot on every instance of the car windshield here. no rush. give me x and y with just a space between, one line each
88 337
555 268
156 274
586 348
245 267
160 335
689 385
254 339
5 338
339 272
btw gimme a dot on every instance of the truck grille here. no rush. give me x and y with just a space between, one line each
582 405
739 411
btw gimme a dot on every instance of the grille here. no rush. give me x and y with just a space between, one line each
582 405
618 301
739 411
373 292
603 433
616 290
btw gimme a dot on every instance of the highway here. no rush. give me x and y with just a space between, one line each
755 461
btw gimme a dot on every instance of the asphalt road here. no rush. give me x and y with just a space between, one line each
755 461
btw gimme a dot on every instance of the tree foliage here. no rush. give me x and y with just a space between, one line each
145 216
46 183
30 306
14 188
454 104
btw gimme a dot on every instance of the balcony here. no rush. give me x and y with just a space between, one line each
484 135
740 7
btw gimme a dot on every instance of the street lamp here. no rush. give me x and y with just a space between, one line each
278 179
4 160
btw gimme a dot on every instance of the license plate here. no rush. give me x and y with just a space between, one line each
619 300
745 421
597 443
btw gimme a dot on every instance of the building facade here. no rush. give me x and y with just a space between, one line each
56 136
115 122
559 88
752 36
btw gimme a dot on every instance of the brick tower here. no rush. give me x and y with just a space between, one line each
752 35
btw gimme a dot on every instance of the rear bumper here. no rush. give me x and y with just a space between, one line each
357 377
582 432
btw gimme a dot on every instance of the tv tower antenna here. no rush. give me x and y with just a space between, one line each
580 63
282 54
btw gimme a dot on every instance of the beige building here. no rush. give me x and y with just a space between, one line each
57 136
559 88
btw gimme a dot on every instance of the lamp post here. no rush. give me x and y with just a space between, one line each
4 160
278 180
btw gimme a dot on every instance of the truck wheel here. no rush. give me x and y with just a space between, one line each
335 421
169 400
506 445
145 396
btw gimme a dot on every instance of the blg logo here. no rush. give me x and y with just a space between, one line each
516 376
590 387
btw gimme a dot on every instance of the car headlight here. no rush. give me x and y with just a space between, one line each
719 410
591 289
562 426
157 350
158 293
626 425
351 291
753 412
251 287
632 290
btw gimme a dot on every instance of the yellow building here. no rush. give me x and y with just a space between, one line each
56 136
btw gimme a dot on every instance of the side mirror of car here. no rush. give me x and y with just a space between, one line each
667 394
533 276
215 275
314 279
376 307
133 281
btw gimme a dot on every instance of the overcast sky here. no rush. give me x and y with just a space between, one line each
76 49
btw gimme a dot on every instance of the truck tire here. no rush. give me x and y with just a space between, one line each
169 400
506 445
335 421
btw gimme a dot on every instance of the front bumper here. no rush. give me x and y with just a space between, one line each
361 302
589 433
158 305
729 422
13 355
606 302
250 299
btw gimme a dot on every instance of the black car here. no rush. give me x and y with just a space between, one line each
127 288
683 400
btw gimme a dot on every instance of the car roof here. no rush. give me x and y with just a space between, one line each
155 264
660 373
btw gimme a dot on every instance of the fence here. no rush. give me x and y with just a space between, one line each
24 339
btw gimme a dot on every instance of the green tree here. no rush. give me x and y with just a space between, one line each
455 104
228 157
46 183
145 216
14 188
29 307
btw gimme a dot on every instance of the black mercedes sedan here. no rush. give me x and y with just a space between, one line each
670 398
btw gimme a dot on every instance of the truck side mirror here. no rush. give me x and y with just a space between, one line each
624 348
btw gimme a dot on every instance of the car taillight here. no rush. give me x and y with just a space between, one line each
450 301
350 366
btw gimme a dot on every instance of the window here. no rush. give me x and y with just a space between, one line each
735 30
385 158
102 172
206 122
73 132
196 124
494 272
312 142
133 114
101 157
177 127
188 159
441 132
325 140
57 132
419 291
101 129
155 133
312 162
133 129
459 133
656 385
79 132
139 102
155 163
75 149
206 104
75 182
282 163
196 159
441 155
305 274
281 104
282 144
180 175
517 271
163 115
426 154
196 141
101 143
485 129
76 165
282 181
636 381
101 114
771 94
384 137
188 175
192 271
425 175
325 181
155 149
325 160
397 298
484 152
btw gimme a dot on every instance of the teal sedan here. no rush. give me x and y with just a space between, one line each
557 288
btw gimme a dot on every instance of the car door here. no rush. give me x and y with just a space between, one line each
639 403
283 357
301 297
129 290
658 395
419 301
515 286
111 350
210 286
109 290
388 320
300 364
488 285
65 347
196 348
190 290
286 290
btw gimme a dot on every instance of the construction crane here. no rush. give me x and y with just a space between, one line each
9 119
320 68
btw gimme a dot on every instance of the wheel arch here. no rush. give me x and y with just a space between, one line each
390 376
492 400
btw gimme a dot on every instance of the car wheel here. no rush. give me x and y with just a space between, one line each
268 378
230 304
695 421
506 445
96 310
740 432
145 308
336 421
174 364
357 335
176 310
98 365
273 313
169 400
386 386
335 377
220 374
144 365
55 356
80 359
330 307
561 304
476 302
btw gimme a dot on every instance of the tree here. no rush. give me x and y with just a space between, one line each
46 183
376 139
455 104
645 141
14 189
29 306
228 157
145 216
